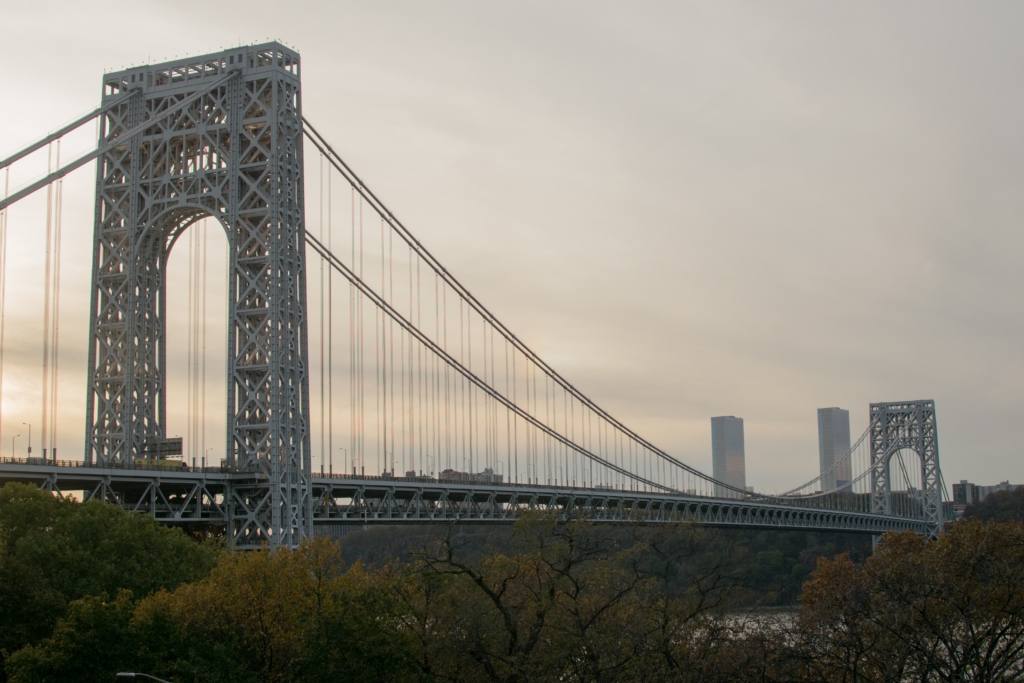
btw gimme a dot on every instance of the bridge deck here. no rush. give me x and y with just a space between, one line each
210 497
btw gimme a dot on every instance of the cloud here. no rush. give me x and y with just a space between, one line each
691 208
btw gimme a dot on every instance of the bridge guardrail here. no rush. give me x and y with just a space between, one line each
109 466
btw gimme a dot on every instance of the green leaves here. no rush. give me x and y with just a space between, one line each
54 551
277 616
556 601
91 643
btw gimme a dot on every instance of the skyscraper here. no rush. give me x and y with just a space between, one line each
833 445
728 457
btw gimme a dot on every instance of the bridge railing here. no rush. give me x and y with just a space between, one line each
79 464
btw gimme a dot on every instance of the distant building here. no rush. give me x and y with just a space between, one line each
488 476
728 457
965 493
833 446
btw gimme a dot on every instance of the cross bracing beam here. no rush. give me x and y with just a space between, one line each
212 498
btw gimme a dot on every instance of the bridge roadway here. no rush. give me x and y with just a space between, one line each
207 498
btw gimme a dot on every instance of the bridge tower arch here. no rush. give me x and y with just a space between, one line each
906 425
233 153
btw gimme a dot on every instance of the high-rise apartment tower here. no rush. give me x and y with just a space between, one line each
728 454
833 446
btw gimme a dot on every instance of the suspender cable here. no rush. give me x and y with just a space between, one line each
322 397
202 322
419 360
448 390
55 320
353 406
494 416
384 344
197 297
469 396
515 419
461 415
454 364
508 426
46 298
335 159
3 286
191 286
390 339
362 354
330 335
376 352
410 438
197 258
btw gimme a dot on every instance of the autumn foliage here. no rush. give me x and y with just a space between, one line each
566 601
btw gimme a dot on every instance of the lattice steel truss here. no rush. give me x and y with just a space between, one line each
906 425
197 501
234 153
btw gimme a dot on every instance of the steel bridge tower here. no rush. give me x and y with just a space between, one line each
234 153
906 425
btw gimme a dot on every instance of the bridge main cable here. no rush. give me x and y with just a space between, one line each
335 159
119 140
379 301
77 123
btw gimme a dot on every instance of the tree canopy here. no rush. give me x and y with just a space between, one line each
1000 506
54 551
89 590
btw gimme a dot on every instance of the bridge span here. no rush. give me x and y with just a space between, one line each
429 379
209 498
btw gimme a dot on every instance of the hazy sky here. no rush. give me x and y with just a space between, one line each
689 209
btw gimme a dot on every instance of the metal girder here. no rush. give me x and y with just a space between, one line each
376 501
232 499
906 425
233 154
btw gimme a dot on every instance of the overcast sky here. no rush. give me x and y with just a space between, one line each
689 209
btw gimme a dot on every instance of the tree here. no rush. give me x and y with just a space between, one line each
54 551
689 584
574 601
949 610
91 643
276 616
1000 506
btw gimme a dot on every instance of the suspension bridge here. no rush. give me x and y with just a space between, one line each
441 414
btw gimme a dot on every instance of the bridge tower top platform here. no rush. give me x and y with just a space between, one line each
183 75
